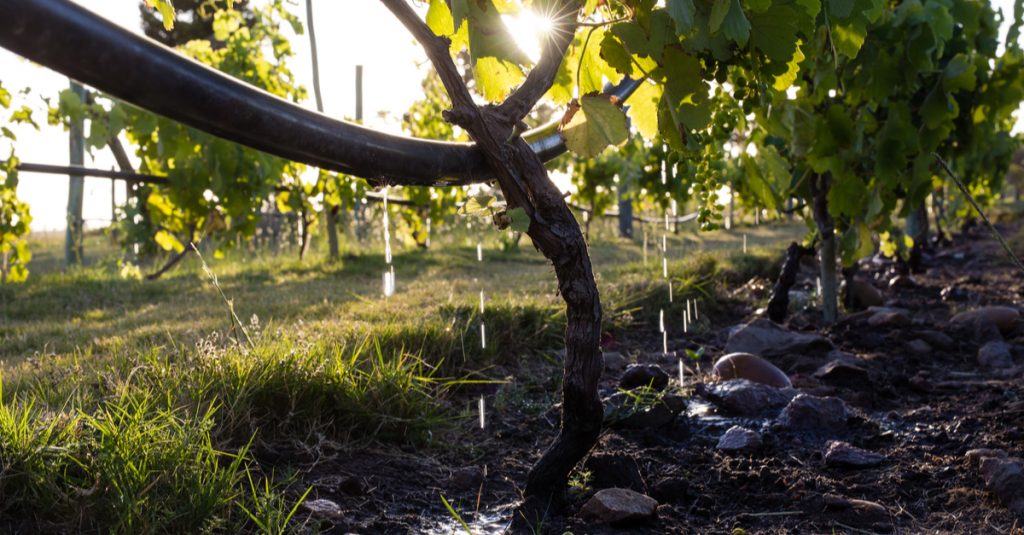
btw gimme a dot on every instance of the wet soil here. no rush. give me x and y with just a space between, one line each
921 406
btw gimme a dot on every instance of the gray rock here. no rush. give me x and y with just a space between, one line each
640 375
889 319
751 367
1004 477
762 336
843 374
919 347
609 470
619 506
323 508
740 440
843 356
936 339
814 414
995 355
842 454
615 361
975 456
858 513
746 398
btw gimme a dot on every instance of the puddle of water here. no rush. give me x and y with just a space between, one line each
486 523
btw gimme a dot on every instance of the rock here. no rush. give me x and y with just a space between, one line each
902 281
609 470
975 456
619 506
323 508
842 454
615 361
845 357
864 294
673 490
746 398
750 367
623 411
1004 477
350 485
919 347
843 374
761 336
858 513
814 414
954 293
1005 318
740 440
890 319
936 339
640 375
467 478
995 355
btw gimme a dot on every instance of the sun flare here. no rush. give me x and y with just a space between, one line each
528 28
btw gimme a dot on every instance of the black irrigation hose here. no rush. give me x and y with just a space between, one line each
75 42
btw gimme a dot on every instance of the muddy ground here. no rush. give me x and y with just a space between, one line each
921 406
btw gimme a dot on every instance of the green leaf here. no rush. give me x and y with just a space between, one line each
439 18
959 74
225 23
478 205
496 78
783 81
736 26
520 220
938 107
166 10
685 89
719 9
596 125
168 242
682 12
496 56
643 109
849 37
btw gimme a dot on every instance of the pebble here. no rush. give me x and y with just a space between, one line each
894 318
752 368
814 414
323 507
856 512
619 506
954 293
919 347
995 355
641 375
1004 477
739 440
936 339
865 294
842 454
844 374
902 281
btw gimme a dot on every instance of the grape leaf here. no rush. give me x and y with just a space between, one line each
596 125
643 109
168 242
682 12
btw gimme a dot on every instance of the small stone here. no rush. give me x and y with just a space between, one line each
995 355
814 414
615 361
750 367
936 339
1004 477
864 294
739 440
466 478
902 281
843 374
323 508
1005 318
845 357
889 319
619 506
919 347
761 336
640 375
954 293
842 454
746 398
975 456
608 470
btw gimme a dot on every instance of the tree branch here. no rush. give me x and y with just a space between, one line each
542 76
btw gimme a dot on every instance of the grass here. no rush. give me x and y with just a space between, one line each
127 406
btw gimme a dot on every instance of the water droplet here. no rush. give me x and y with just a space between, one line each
481 301
479 252
483 336
664 343
661 320
744 244
483 414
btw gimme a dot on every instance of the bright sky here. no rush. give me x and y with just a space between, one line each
347 36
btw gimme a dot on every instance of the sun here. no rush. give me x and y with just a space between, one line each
529 29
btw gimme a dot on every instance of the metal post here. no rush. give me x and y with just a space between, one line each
74 251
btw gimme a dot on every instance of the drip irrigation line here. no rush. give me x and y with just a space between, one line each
970 198
643 219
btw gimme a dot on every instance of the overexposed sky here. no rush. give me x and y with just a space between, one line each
349 33
347 36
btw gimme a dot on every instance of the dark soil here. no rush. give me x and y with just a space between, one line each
921 409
